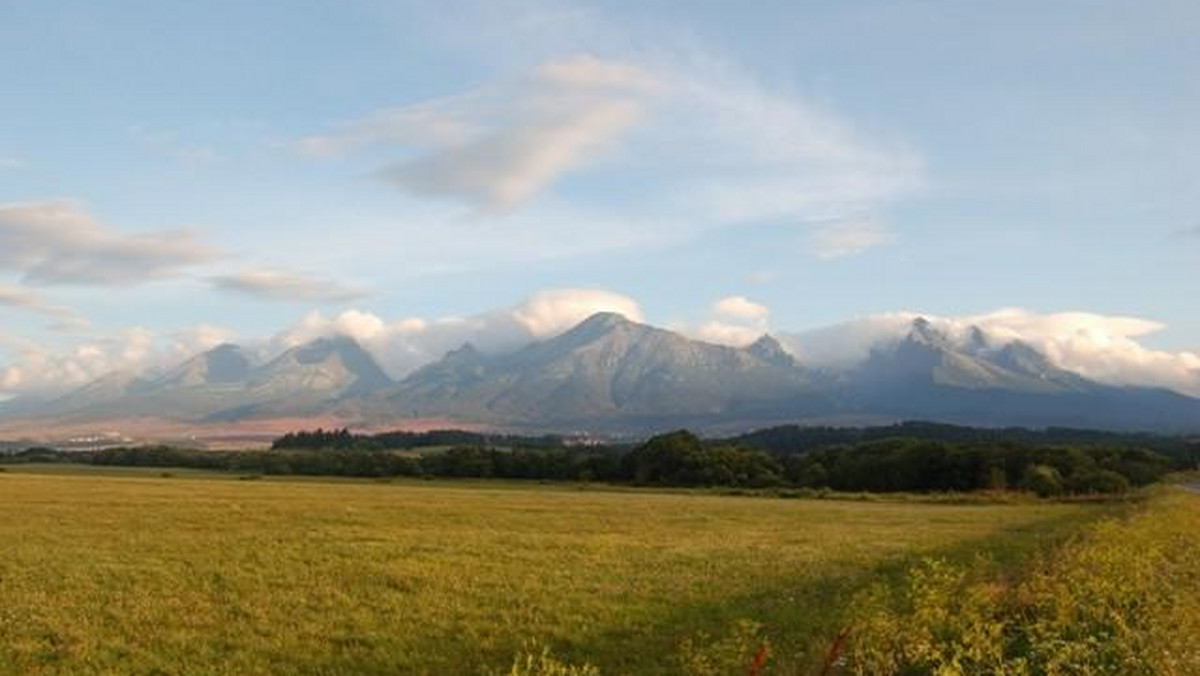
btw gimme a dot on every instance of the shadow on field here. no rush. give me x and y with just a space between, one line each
801 620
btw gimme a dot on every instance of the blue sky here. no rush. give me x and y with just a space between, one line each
173 168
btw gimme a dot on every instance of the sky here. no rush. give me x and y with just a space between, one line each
176 174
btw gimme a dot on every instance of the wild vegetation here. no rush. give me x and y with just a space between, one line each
204 574
1122 599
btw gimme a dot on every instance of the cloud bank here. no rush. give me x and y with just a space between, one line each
404 345
1101 347
40 370
1104 348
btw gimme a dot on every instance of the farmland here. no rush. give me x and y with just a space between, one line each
134 572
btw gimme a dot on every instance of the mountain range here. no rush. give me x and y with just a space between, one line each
612 375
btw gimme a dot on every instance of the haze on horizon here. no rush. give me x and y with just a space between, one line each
176 175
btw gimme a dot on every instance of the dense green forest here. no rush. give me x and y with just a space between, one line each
912 459
797 439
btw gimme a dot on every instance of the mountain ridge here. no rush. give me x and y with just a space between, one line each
613 374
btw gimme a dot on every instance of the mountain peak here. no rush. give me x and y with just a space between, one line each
977 340
225 348
334 341
338 360
466 353
225 363
596 326
605 320
770 350
467 348
925 333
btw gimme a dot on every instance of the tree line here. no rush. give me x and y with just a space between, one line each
679 458
788 439
344 439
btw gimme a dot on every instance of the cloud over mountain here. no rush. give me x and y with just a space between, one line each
1101 347
40 369
406 344
1104 348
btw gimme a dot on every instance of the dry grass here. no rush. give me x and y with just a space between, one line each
202 575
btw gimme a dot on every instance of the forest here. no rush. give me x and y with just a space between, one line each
961 461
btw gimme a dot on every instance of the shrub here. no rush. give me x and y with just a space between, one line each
1043 480
1099 481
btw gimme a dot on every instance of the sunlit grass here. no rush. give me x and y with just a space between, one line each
1121 598
210 575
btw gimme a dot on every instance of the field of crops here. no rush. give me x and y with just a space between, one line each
192 574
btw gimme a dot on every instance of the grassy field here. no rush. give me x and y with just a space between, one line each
194 574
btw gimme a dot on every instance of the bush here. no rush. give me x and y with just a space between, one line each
1099 481
1043 480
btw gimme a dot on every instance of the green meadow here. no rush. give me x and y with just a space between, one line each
137 573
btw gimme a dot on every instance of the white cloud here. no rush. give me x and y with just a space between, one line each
846 344
690 145
741 308
837 240
497 147
1101 347
733 320
286 286
1105 348
65 318
59 243
551 312
726 333
10 163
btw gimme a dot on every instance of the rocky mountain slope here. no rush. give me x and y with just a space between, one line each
612 374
